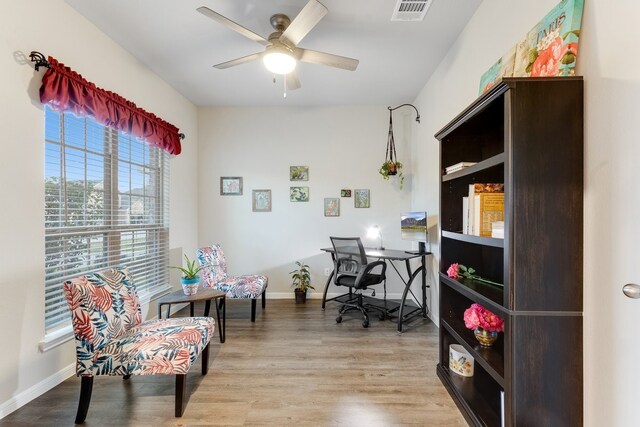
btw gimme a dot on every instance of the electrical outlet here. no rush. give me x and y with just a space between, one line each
327 272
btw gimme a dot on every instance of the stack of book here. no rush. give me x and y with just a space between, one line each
458 167
497 230
483 207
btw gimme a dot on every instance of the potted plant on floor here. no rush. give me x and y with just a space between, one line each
301 281
190 279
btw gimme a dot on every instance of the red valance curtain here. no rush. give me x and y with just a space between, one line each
65 90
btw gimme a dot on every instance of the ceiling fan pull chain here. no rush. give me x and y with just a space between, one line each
284 81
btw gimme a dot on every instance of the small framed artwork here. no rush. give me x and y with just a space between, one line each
231 186
345 193
331 206
362 199
299 194
261 201
299 173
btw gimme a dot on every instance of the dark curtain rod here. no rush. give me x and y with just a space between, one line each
407 105
41 61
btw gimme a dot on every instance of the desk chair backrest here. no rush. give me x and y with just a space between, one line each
351 267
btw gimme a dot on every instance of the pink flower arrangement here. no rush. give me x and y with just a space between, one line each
478 316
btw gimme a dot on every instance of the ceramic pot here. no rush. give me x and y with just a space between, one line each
190 286
484 337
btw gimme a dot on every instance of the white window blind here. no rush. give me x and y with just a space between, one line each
106 204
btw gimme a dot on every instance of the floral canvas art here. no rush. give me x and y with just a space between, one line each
551 47
261 201
362 198
331 206
299 173
299 194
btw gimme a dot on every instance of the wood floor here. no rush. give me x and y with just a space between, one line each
294 366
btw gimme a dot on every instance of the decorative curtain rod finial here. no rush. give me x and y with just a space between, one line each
39 59
407 105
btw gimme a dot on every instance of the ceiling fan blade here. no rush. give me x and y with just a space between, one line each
233 25
329 59
293 82
238 61
308 17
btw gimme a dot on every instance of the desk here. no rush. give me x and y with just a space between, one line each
390 255
203 294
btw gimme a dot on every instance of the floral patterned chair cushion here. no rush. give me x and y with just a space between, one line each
111 338
214 275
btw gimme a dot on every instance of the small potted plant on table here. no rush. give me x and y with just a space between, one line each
190 279
301 281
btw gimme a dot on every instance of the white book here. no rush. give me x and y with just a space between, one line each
459 166
465 215
471 206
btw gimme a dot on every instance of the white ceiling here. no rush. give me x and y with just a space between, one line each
181 45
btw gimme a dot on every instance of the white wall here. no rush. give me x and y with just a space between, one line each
53 28
609 32
343 147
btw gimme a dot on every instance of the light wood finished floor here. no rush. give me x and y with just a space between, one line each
294 366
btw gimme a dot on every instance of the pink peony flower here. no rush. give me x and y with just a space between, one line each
471 318
453 271
548 62
477 315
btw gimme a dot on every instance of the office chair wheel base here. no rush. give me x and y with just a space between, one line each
339 319
382 317
365 323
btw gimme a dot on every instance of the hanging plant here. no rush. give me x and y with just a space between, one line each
391 165
392 168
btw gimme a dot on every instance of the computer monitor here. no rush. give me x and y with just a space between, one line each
413 226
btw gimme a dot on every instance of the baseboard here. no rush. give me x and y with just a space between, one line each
318 295
36 390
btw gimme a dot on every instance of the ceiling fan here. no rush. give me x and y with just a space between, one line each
282 52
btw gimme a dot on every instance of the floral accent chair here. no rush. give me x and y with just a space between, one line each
112 339
214 275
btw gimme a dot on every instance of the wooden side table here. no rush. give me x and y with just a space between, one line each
204 294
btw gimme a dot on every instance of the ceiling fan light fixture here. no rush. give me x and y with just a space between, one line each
279 61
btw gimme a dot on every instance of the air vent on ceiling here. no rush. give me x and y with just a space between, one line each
410 10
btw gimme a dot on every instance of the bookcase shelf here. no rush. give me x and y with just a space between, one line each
485 164
527 134
487 241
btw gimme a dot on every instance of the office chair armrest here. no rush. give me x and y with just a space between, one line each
367 269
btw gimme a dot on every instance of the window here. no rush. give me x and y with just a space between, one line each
106 204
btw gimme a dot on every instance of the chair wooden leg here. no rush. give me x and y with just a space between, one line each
181 383
253 310
86 386
264 300
205 360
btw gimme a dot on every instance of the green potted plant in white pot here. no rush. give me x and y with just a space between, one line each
190 279
301 282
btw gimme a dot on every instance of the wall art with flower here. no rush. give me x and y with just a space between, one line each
550 49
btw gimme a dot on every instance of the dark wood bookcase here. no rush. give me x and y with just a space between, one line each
528 134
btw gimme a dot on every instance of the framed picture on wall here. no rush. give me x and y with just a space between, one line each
331 206
261 201
362 198
299 173
345 192
231 186
299 194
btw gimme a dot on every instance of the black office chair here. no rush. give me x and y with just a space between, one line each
351 269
